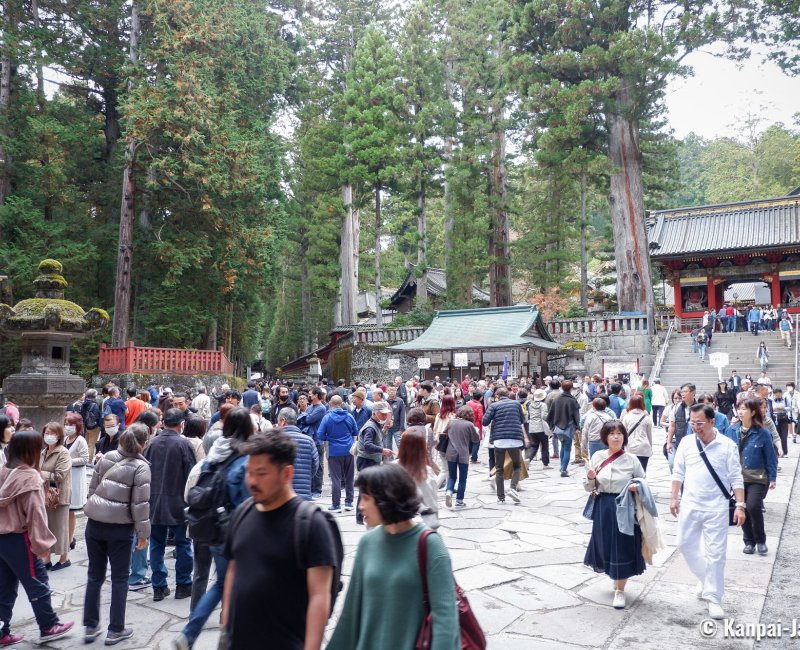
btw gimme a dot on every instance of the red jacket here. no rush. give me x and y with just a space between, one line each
477 409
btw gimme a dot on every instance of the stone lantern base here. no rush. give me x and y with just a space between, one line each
43 398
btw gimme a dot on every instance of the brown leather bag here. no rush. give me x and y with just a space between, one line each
472 636
51 495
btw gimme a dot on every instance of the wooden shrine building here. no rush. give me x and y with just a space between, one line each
703 250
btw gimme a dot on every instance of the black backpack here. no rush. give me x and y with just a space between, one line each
302 526
88 415
209 507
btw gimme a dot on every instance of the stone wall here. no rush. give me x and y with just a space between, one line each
371 362
612 347
177 382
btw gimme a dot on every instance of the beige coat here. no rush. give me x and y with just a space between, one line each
56 466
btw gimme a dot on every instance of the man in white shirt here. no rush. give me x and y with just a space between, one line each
658 401
702 511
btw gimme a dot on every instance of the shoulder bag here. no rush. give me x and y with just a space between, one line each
588 509
726 493
472 636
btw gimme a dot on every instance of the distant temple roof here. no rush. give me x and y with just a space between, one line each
437 287
487 328
763 224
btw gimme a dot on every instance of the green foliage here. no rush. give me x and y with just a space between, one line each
415 318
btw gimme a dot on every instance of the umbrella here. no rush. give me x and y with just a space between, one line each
505 367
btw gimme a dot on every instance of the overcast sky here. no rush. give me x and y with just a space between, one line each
721 92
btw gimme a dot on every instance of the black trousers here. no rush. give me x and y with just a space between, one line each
539 441
107 544
362 463
753 527
657 411
783 432
200 572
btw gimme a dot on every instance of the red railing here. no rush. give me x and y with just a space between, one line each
163 360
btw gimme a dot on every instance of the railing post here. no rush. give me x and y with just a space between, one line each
129 357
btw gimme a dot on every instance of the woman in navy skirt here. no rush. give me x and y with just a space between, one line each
617 555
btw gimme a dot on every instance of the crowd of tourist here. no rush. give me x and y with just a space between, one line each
238 466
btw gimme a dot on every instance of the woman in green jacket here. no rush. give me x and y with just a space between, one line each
386 563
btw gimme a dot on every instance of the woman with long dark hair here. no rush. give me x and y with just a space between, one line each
24 538
413 457
759 471
389 503
446 414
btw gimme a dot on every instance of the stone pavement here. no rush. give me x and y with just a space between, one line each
522 568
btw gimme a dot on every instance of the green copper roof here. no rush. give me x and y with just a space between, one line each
489 328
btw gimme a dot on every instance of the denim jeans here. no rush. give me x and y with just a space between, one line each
595 445
139 562
731 323
566 452
701 347
107 544
183 548
18 565
462 469
210 599
389 436
474 448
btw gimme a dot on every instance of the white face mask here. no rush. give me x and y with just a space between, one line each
69 430
50 439
112 431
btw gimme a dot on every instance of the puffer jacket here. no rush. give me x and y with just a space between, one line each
306 462
506 419
119 492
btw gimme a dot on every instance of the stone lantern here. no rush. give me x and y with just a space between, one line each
46 324
314 368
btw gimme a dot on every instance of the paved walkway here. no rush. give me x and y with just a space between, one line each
522 567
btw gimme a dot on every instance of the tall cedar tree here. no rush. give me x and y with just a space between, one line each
373 132
629 50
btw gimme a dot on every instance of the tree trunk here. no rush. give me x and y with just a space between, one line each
499 251
449 220
378 309
348 284
122 288
584 252
305 295
210 336
422 246
626 200
6 64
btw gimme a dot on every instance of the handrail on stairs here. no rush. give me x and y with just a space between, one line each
662 353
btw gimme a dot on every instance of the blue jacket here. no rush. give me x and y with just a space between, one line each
626 505
309 421
506 418
306 463
338 428
362 417
723 425
757 455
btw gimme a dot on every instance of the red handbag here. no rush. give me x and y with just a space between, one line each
472 636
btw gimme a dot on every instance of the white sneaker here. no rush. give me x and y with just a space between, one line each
619 599
448 499
698 590
513 494
715 611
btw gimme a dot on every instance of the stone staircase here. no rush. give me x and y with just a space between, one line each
682 365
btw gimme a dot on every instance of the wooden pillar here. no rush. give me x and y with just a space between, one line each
775 285
711 292
676 289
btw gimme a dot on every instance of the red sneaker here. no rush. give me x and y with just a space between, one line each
11 639
56 632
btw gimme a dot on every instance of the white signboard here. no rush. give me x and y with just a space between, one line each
393 364
718 359
423 363
460 360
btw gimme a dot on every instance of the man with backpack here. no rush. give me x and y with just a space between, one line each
92 422
279 591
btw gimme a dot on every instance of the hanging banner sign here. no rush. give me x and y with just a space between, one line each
393 364
423 363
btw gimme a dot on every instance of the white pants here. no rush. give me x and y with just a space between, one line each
703 542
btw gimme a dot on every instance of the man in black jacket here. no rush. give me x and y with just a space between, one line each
508 437
171 458
563 418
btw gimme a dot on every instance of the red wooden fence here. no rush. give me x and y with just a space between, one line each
163 360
